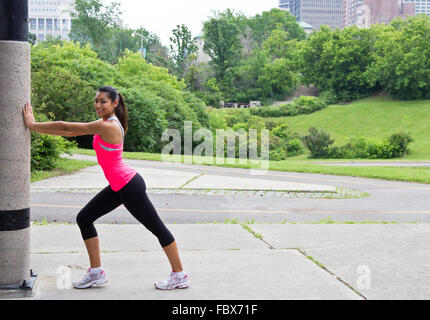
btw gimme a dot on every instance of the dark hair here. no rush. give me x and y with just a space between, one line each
120 110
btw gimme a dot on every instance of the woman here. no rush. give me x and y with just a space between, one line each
126 186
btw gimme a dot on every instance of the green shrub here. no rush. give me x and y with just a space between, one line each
233 116
270 124
288 110
276 148
309 104
284 143
266 111
329 96
382 150
295 147
216 121
355 148
211 93
318 143
277 154
302 105
400 142
393 146
46 149
282 131
336 152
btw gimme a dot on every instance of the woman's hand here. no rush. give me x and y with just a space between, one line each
28 115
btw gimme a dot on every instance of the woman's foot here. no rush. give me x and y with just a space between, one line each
175 280
91 278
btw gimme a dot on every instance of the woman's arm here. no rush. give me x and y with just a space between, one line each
62 128
56 128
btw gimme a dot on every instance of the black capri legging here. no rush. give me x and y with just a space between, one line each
133 196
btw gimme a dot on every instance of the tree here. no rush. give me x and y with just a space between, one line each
402 58
267 74
277 79
262 25
96 24
222 42
337 61
240 83
92 22
277 45
183 48
117 41
252 57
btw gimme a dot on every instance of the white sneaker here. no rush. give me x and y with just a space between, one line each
91 279
173 281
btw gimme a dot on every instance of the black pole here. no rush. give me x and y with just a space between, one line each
13 20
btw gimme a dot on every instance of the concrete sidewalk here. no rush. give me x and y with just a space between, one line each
226 261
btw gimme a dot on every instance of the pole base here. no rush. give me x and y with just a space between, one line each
26 285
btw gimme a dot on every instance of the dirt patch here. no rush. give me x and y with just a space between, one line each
300 91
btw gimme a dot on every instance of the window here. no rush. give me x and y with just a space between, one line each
41 24
32 24
48 24
65 24
57 24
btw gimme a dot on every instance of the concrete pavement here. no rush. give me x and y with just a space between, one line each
223 261
231 261
226 261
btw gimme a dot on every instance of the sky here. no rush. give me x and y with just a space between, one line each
162 16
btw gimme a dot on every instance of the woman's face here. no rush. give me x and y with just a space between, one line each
103 105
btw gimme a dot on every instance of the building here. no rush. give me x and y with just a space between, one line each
307 27
284 5
319 12
408 9
420 6
382 11
50 18
353 11
361 13
202 57
364 13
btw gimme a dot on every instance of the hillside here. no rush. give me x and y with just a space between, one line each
374 118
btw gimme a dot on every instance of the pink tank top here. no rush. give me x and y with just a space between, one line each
109 156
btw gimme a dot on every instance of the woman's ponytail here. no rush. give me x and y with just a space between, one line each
121 112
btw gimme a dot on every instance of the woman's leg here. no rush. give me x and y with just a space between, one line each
135 199
104 202
172 254
93 249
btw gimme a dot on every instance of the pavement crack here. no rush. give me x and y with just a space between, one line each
319 264
255 234
192 179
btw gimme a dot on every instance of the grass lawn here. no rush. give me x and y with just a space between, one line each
373 118
65 166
